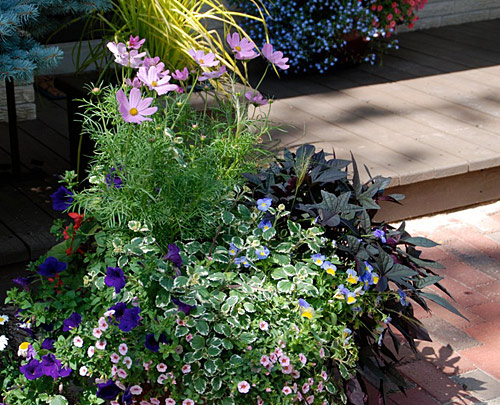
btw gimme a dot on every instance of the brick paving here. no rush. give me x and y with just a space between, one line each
462 364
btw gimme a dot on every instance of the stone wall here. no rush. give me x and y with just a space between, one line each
25 102
438 13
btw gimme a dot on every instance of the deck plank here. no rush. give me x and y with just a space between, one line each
52 115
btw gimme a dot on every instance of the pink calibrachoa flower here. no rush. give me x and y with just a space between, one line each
263 325
90 351
287 369
83 371
243 387
276 58
181 75
103 325
170 401
147 364
207 60
186 368
127 361
122 373
120 385
180 322
281 344
135 109
155 401
320 387
295 374
135 43
162 367
123 349
189 336
78 341
321 352
310 399
303 359
188 402
305 388
286 390
260 401
273 357
114 370
136 390
111 312
144 402
161 379
100 344
115 358
212 75
324 376
284 361
243 48
152 78
97 333
310 381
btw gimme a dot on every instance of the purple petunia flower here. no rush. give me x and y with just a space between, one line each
61 199
173 255
108 390
182 306
48 344
119 309
23 282
115 278
31 370
130 319
113 179
50 366
51 266
72 322
152 344
127 397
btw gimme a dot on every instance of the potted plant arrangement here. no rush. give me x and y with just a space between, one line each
190 276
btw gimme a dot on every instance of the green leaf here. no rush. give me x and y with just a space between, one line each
280 259
200 384
122 261
210 366
249 307
59 400
427 281
216 276
220 257
441 301
343 371
216 383
285 286
202 327
420 241
247 337
232 300
167 283
227 217
279 273
284 247
214 351
227 344
294 227
181 331
197 342
192 247
244 211
269 233
180 281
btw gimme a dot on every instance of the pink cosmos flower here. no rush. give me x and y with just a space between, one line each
122 373
302 358
115 358
103 325
148 62
162 367
123 57
83 371
286 390
100 344
152 78
243 48
128 362
170 401
203 59
97 333
78 341
90 351
179 90
255 97
243 387
276 58
186 368
263 325
181 75
135 43
212 75
123 349
136 109
136 390
188 402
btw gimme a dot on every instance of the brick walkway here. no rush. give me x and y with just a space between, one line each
462 364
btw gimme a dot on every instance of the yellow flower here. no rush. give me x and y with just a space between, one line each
23 349
308 313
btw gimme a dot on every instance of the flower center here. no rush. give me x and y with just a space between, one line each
202 61
24 346
154 83
237 48
133 111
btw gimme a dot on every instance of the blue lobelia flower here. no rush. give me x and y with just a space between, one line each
61 199
152 344
130 319
265 224
108 390
263 204
242 260
31 370
233 250
173 255
262 253
115 278
73 321
51 266
379 233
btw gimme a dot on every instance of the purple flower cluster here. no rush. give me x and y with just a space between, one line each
127 318
152 344
61 199
115 278
49 366
73 321
51 266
